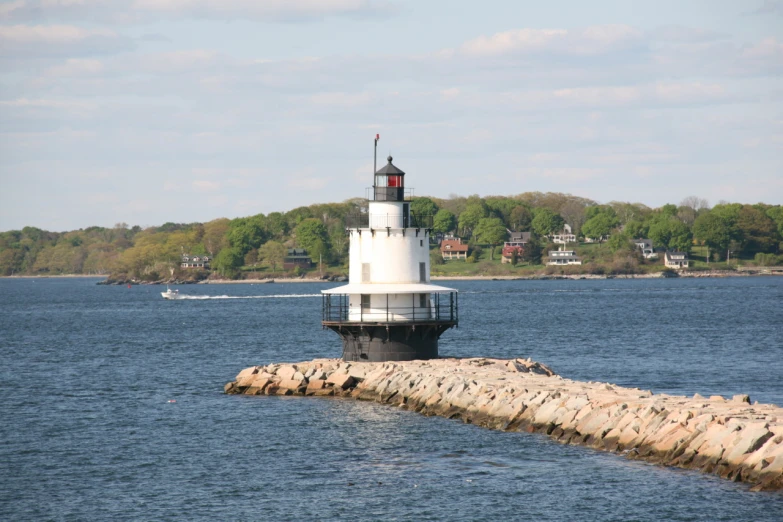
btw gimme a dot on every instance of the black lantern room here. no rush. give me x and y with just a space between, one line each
389 183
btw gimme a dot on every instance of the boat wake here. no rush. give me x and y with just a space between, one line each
278 296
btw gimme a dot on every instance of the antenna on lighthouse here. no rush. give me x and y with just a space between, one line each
375 156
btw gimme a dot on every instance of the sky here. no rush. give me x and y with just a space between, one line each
155 111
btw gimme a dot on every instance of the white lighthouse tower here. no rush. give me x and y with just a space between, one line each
389 311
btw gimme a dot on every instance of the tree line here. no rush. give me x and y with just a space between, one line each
261 242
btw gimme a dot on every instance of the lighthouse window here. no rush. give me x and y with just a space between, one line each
421 242
422 300
395 181
380 181
365 302
423 272
365 272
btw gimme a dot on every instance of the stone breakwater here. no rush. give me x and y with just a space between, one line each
729 437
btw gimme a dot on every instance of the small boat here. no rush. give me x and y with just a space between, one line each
170 294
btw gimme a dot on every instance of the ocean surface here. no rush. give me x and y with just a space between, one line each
112 404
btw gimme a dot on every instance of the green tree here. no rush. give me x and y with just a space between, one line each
776 214
436 258
490 231
620 243
532 252
637 229
717 228
520 218
444 221
276 225
601 220
228 261
546 221
272 253
297 215
246 234
670 232
471 216
312 235
501 207
758 231
424 207
669 210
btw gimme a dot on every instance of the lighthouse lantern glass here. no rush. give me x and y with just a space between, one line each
395 181
380 181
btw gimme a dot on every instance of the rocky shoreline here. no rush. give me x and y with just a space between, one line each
729 437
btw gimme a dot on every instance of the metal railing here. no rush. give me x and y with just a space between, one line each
362 220
442 308
388 193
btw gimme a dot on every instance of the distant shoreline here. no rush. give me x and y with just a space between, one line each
657 275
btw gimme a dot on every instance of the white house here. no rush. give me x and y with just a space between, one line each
563 257
646 246
189 261
564 237
676 260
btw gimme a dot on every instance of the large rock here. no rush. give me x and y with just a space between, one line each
291 384
247 376
341 380
286 372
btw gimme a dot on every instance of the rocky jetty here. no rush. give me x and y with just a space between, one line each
729 437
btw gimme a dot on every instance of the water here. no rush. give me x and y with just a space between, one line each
89 431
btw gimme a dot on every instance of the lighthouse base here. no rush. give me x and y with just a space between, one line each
395 342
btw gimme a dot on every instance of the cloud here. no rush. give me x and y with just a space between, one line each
77 67
176 61
48 104
10 7
590 40
205 186
767 49
36 41
308 183
768 7
142 11
682 34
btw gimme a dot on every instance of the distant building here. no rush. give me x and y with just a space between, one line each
675 260
189 261
297 257
515 244
453 248
646 246
563 257
564 237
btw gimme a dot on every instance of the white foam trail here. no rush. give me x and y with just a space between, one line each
279 296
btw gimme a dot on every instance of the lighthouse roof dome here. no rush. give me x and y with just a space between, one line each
389 169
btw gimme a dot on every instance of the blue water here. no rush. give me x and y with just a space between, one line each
88 431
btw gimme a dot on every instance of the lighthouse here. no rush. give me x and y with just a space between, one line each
389 310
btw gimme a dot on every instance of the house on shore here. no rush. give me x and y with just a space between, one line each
675 260
646 246
563 257
515 244
453 248
297 257
564 237
189 261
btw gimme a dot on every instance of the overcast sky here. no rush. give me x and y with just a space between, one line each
149 111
